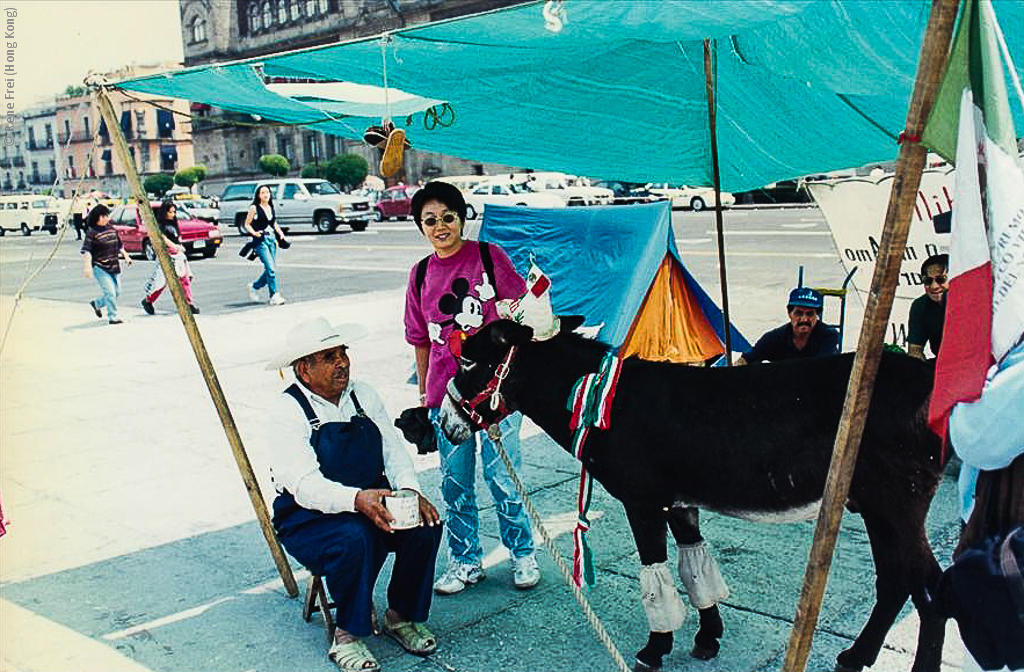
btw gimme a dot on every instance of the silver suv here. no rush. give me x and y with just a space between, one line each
297 201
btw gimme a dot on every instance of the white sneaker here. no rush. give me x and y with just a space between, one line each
276 300
526 571
254 296
457 577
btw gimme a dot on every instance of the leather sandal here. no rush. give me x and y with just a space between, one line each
413 637
353 656
393 152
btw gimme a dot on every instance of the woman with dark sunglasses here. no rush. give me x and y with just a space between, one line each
928 312
451 294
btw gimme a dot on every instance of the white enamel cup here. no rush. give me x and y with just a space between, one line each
404 505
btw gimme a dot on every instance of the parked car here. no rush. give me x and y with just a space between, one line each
395 201
628 193
297 201
29 212
694 198
567 187
198 236
786 191
198 207
507 193
465 183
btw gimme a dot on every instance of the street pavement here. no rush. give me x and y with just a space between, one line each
132 544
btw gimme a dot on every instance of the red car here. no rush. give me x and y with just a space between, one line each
198 236
395 202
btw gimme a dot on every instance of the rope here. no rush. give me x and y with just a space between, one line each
60 236
494 433
385 38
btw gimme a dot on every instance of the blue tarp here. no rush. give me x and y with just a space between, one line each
600 260
619 92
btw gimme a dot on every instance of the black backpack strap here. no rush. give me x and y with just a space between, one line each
1012 573
307 408
421 274
488 262
359 409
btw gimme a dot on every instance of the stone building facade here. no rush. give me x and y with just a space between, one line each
215 31
157 130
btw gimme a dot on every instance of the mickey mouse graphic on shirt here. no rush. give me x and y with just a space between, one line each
467 312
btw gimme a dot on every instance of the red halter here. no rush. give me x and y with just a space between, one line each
491 392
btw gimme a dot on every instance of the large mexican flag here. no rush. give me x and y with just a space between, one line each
971 126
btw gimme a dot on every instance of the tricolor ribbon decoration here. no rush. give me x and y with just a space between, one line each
590 403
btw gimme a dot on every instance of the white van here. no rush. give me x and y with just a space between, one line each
28 213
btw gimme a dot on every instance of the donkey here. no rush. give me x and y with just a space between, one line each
673 444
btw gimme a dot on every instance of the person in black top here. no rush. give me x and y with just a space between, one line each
166 219
804 336
928 312
261 224
100 251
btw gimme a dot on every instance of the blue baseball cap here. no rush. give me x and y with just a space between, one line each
805 296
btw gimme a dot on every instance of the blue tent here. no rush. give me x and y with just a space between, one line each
617 266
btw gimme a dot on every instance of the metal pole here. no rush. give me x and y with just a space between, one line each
912 155
202 357
709 80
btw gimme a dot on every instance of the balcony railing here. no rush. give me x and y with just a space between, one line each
5 162
19 162
62 138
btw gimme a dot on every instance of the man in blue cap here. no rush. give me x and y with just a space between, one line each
803 336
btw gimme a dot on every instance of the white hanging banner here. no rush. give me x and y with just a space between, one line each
854 209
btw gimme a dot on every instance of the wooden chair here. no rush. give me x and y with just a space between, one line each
317 599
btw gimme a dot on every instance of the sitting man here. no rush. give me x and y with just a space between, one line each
335 458
804 336
928 312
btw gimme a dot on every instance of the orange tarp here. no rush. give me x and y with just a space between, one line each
671 325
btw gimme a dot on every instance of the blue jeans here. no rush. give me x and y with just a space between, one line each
111 288
267 252
458 474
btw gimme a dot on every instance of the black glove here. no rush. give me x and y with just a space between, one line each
417 429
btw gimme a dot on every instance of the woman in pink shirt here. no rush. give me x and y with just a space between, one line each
451 294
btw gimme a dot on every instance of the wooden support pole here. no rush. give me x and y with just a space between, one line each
202 357
912 155
710 75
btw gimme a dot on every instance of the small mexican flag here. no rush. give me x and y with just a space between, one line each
971 126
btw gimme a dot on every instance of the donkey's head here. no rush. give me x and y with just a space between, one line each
477 396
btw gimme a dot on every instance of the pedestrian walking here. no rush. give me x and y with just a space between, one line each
100 251
452 294
261 224
166 220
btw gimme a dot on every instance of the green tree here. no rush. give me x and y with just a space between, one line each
158 184
274 164
73 91
347 170
189 177
311 170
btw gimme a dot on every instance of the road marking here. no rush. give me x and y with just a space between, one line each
773 233
328 267
557 525
352 246
692 241
808 225
781 255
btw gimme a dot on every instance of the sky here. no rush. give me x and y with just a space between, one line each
60 41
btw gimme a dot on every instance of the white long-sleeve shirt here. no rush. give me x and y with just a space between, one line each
293 462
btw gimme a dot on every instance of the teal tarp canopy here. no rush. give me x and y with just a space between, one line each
619 91
601 260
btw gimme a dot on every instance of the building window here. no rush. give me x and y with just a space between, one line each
31 138
140 122
254 17
35 173
323 6
332 146
168 157
198 29
259 149
282 12
311 148
88 127
49 136
268 15
310 8
285 148
143 157
296 10
53 170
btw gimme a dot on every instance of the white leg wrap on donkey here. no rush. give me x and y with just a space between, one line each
700 575
665 609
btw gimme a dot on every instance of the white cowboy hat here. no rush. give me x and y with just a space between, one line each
314 335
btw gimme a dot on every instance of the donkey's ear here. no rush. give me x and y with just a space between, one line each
507 333
569 323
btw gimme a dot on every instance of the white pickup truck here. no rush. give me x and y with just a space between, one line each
297 202
570 189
